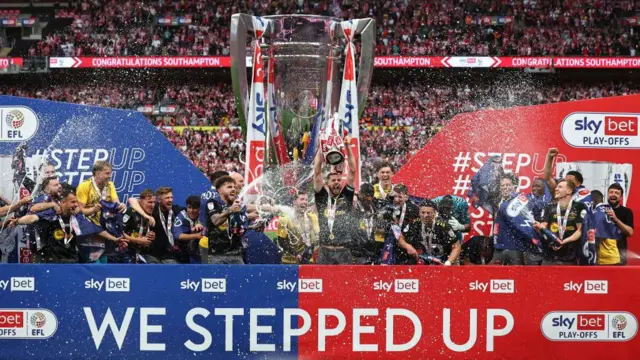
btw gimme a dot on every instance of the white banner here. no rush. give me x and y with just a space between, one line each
256 117
348 108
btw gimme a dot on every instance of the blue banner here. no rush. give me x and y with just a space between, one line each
73 137
118 311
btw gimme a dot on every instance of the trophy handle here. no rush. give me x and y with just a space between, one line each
367 30
241 25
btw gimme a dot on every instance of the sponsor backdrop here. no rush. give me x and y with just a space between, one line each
73 137
288 312
594 136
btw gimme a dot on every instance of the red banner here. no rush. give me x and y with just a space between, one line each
5 62
595 136
539 62
408 61
141 62
596 62
470 312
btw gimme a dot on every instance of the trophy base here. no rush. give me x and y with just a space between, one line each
334 158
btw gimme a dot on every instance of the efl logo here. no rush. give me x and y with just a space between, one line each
621 125
589 326
310 285
11 319
19 123
27 323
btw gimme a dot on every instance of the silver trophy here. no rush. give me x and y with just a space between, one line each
303 73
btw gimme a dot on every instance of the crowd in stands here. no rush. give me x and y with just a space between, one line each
402 116
221 148
196 105
410 27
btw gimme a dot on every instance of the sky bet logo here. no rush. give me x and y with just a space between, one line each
399 286
205 285
109 284
589 326
613 125
588 125
18 284
495 286
589 286
258 124
601 130
594 322
303 285
348 114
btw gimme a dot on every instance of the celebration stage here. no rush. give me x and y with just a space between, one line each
315 312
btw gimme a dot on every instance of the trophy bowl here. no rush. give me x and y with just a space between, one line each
296 84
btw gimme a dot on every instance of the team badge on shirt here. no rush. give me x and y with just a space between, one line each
58 234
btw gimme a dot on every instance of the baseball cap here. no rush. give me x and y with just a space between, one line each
366 189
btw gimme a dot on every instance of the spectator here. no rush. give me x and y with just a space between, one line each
411 28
